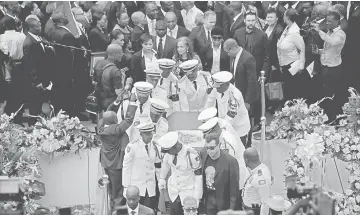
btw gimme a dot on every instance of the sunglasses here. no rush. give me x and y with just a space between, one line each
211 147
216 38
165 151
227 50
251 12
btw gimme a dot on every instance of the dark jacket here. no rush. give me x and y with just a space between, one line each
137 67
245 77
177 12
226 181
233 26
182 32
114 140
256 44
168 50
143 210
98 40
224 59
135 38
272 44
199 41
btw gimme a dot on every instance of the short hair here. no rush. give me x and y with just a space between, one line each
212 136
291 14
230 43
217 31
199 19
273 10
339 8
334 14
9 23
145 38
209 13
57 17
119 13
135 17
115 34
96 17
310 2
87 6
50 8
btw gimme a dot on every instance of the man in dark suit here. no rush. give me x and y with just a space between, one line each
36 68
221 172
64 70
132 7
235 21
168 6
114 141
219 10
12 11
139 20
133 206
201 35
173 29
266 5
216 58
163 44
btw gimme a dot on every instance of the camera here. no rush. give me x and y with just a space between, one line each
300 192
10 192
174 97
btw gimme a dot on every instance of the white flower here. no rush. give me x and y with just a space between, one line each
356 208
346 211
351 200
348 157
348 192
353 148
358 199
300 171
346 150
346 140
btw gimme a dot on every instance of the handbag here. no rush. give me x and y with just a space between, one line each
274 90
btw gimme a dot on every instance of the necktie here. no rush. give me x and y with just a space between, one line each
141 108
170 33
147 148
175 159
153 27
160 48
208 37
222 95
195 85
133 212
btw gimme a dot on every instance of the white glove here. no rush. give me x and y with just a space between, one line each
162 184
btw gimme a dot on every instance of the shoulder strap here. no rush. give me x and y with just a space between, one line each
102 72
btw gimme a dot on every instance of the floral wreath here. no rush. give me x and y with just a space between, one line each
303 126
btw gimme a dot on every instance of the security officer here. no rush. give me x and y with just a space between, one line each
142 163
257 186
157 110
168 83
193 87
186 175
142 91
228 143
229 102
153 74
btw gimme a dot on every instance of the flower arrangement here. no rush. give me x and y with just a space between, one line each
296 119
21 147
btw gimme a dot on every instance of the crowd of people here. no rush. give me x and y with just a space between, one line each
169 56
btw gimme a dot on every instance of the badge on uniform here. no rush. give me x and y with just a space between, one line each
260 172
128 149
262 182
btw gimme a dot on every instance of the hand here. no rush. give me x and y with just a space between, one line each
315 26
162 184
247 106
133 98
40 87
322 204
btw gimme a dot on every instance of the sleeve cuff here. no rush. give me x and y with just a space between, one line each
133 103
116 103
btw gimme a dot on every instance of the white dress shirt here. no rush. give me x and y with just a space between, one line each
163 41
173 33
216 59
149 61
236 60
151 25
10 42
136 210
207 33
189 17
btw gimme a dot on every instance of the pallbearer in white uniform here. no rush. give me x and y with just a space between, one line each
230 104
143 91
142 164
157 111
229 142
153 74
193 87
186 175
168 84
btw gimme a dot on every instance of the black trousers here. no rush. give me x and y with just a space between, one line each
148 201
292 84
176 207
115 187
211 204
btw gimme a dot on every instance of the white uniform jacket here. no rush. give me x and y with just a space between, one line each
241 121
186 178
165 88
161 128
140 167
191 99
257 188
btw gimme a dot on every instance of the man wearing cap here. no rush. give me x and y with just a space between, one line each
193 87
230 104
190 206
229 143
142 92
142 163
114 141
169 85
221 177
157 110
186 175
153 74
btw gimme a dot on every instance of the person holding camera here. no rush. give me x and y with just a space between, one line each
256 191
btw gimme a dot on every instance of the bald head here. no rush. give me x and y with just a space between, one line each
319 11
109 118
59 18
252 155
230 43
113 49
171 20
132 192
151 10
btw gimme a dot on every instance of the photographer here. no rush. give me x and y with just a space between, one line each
321 204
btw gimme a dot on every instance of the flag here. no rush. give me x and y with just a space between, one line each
65 7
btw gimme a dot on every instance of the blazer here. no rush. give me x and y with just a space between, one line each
123 210
135 38
344 25
224 59
137 67
168 50
199 41
115 139
272 44
245 77
177 12
182 32
257 46
239 23
226 180
36 66
98 40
